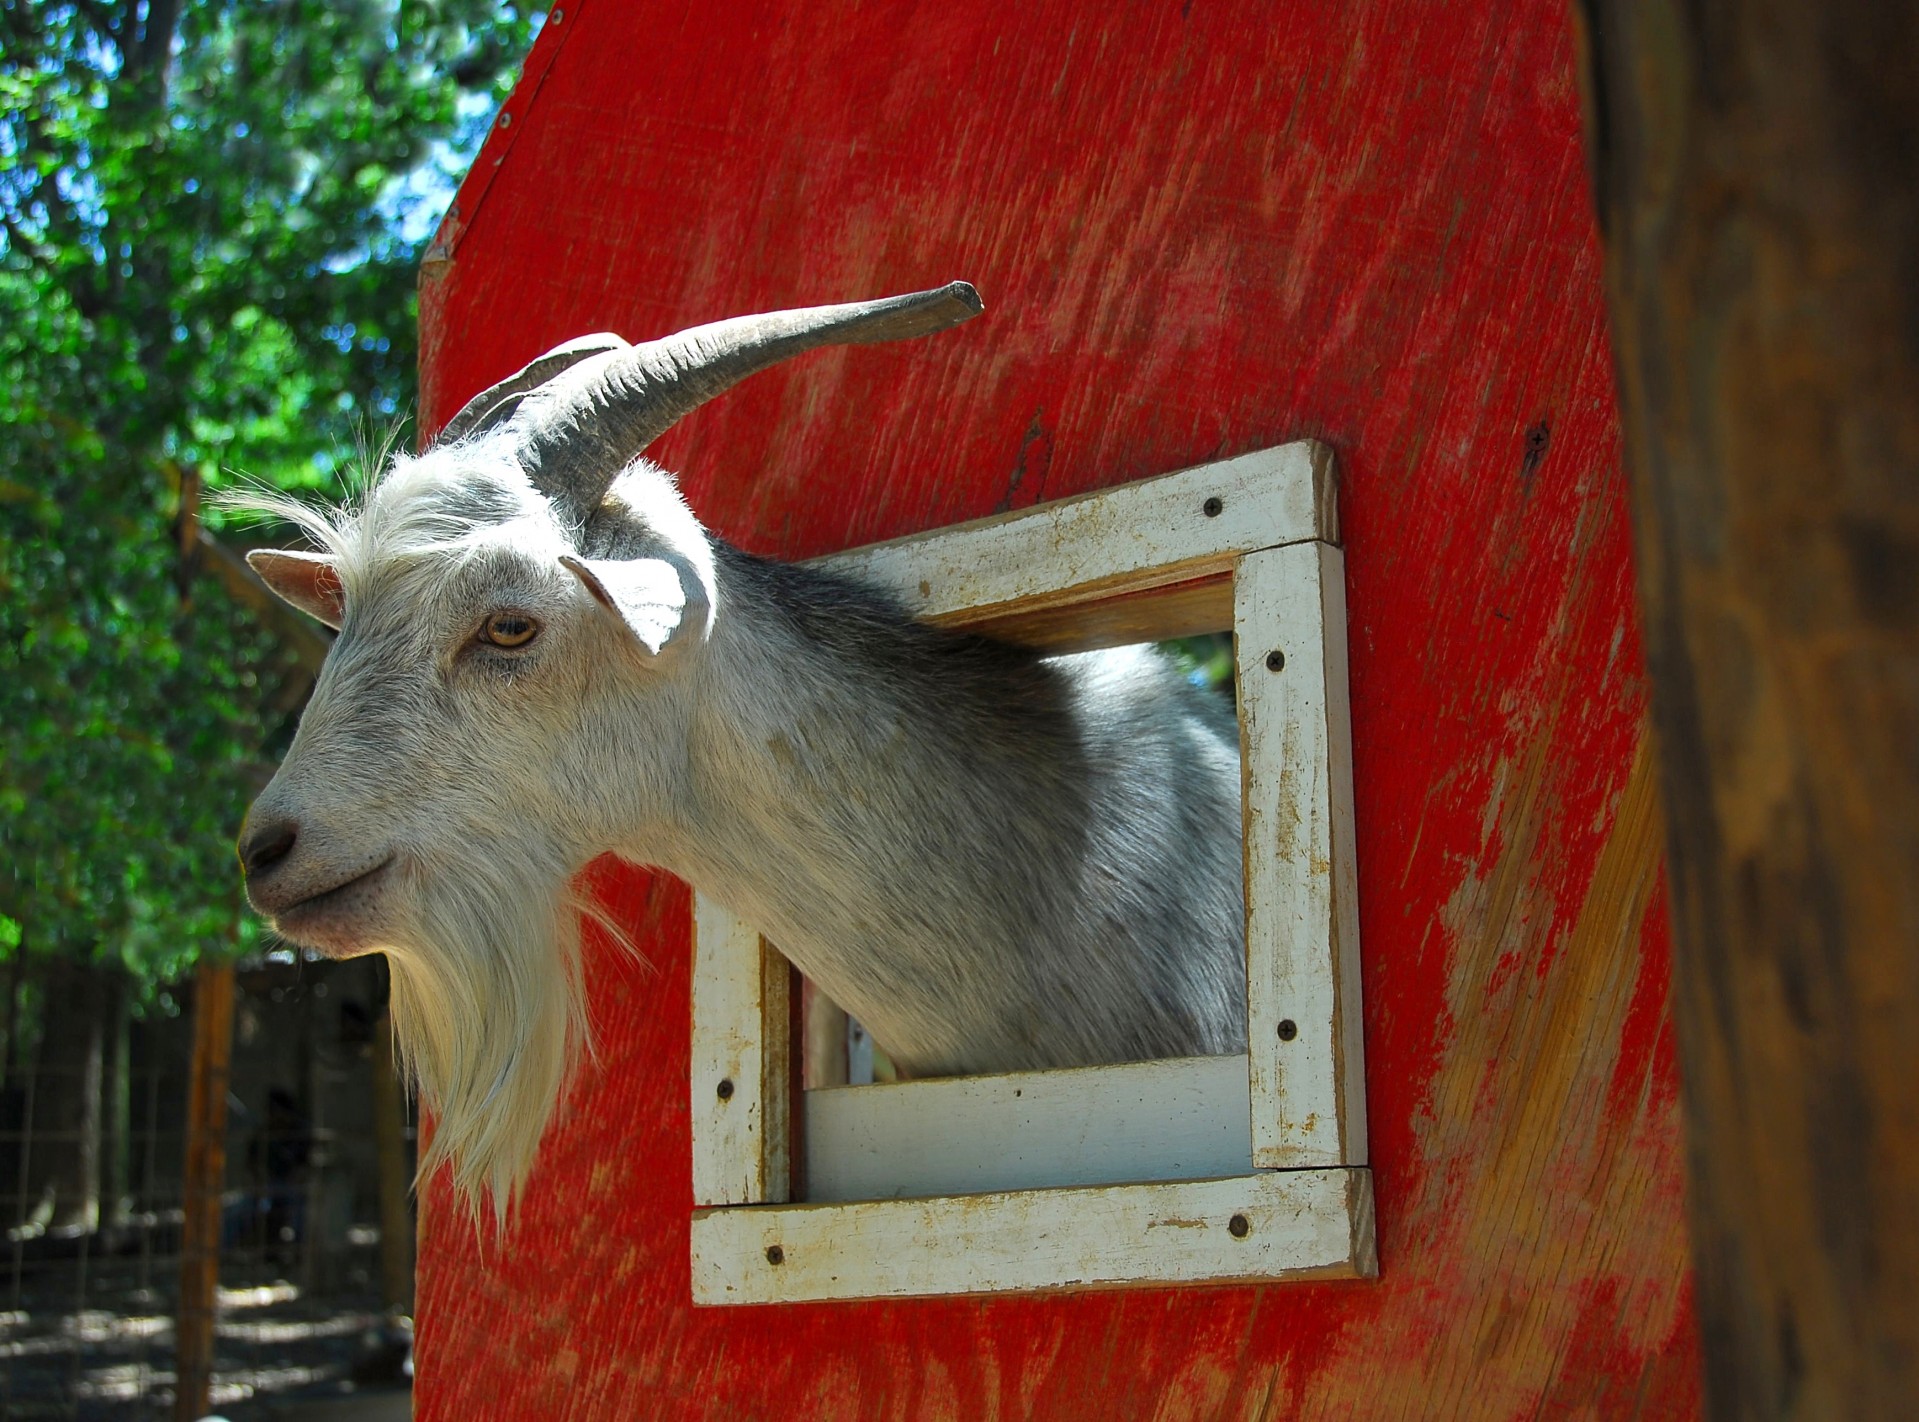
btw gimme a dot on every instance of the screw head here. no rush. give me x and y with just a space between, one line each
1239 1226
1288 1029
775 1255
1213 507
1275 660
726 1088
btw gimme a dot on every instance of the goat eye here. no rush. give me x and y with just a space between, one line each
509 629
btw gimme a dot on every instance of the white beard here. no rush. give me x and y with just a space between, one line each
488 1012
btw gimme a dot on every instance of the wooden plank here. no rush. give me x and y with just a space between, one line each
1754 168
1182 1119
1302 924
1313 1224
1169 529
781 1042
739 1079
202 1184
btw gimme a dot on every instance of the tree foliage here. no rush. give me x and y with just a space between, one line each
209 230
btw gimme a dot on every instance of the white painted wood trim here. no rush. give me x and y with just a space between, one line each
1308 1210
1181 1119
1303 1028
1310 1224
739 1072
1139 535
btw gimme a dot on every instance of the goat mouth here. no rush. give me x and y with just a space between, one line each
334 920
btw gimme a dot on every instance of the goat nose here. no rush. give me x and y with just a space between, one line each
265 845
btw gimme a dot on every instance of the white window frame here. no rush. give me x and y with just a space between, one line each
1254 541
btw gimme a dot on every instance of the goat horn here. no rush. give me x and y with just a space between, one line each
579 429
498 402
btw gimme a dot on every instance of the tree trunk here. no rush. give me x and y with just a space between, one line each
63 1163
1756 167
205 1179
16 983
116 1107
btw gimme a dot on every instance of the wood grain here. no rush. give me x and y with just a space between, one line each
1199 230
1283 1224
1755 164
1302 913
1149 615
1174 528
739 1064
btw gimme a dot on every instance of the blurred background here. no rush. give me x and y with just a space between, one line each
211 219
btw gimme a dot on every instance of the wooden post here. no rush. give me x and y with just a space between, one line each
389 1137
1756 165
204 1180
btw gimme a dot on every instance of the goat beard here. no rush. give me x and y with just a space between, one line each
488 1012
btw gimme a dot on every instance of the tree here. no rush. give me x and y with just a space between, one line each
209 228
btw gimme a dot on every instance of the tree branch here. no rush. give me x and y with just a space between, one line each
150 51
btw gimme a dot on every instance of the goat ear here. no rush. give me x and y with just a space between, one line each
307 580
644 593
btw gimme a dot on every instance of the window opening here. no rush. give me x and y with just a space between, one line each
1072 1177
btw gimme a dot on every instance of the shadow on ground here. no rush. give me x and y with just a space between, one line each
279 1354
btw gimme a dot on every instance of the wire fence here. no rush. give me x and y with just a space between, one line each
90 1272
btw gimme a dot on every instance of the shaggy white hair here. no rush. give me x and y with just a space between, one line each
488 1009
487 1005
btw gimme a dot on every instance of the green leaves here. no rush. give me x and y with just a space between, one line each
210 220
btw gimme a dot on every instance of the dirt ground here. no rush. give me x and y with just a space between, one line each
280 1356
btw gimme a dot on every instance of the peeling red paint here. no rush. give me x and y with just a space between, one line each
1199 230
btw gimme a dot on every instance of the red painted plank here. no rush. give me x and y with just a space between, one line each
1199 229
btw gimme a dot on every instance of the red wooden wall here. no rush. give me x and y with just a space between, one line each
1199 228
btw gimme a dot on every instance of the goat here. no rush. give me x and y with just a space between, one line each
996 860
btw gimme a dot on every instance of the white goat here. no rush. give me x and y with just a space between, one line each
996 860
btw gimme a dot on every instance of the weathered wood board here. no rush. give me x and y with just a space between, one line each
1299 1224
1200 230
740 1091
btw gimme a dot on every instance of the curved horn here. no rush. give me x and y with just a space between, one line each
581 428
497 402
